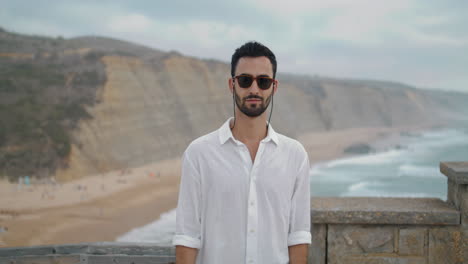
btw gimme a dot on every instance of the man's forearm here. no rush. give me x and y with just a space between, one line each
298 254
186 255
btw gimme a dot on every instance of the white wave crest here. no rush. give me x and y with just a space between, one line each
419 171
160 231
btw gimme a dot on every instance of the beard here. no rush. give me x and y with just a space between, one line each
252 109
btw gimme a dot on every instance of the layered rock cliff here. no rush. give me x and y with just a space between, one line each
150 104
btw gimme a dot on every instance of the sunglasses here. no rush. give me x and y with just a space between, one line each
245 81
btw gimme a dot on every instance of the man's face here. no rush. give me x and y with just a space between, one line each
253 101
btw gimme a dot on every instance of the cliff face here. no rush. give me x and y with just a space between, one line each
152 104
149 111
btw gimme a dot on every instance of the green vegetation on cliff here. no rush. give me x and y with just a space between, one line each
39 109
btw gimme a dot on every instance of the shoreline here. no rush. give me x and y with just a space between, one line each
88 214
93 213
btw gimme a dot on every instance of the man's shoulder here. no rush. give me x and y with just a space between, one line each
199 144
294 148
291 143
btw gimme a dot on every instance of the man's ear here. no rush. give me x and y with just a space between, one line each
275 86
231 84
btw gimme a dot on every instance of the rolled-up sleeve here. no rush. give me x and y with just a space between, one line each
299 222
188 217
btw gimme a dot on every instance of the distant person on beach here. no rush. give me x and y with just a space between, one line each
244 191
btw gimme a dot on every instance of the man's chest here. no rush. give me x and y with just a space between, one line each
235 174
253 148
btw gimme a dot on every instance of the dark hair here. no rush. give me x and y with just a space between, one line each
252 49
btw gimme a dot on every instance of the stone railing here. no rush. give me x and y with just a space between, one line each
355 230
394 230
102 253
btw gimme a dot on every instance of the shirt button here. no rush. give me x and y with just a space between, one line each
250 261
251 203
252 231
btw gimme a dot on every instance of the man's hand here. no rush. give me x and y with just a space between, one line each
298 254
186 255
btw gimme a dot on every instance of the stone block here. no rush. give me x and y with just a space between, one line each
457 196
464 205
389 259
67 249
383 210
412 241
130 259
448 245
317 251
358 240
453 193
103 248
41 259
25 251
455 171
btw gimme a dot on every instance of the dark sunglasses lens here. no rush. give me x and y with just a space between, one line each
264 83
245 81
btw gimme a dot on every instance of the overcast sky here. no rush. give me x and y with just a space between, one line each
419 42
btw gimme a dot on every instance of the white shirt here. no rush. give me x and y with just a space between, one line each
235 211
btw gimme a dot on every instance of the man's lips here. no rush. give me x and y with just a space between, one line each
253 100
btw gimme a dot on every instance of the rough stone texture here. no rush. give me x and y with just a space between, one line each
41 260
411 241
454 192
388 259
374 210
100 248
129 249
464 207
455 171
345 241
130 259
89 259
23 251
458 195
318 249
448 245
103 252
70 249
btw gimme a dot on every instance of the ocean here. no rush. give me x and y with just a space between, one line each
411 170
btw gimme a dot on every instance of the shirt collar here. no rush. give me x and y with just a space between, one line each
225 133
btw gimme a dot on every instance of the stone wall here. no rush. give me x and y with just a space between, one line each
394 230
359 230
102 253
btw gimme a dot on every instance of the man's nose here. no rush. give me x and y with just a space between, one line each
254 87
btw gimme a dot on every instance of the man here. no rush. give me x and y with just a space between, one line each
244 192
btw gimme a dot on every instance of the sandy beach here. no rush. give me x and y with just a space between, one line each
95 208
103 207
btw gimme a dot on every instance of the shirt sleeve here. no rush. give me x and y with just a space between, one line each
188 216
299 222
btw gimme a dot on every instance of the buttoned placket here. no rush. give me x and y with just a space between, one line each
252 209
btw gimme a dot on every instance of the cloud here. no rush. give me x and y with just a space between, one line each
420 42
363 23
421 38
198 33
130 23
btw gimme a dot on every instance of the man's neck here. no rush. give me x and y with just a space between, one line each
248 129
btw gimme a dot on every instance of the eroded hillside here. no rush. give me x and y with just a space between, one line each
141 105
